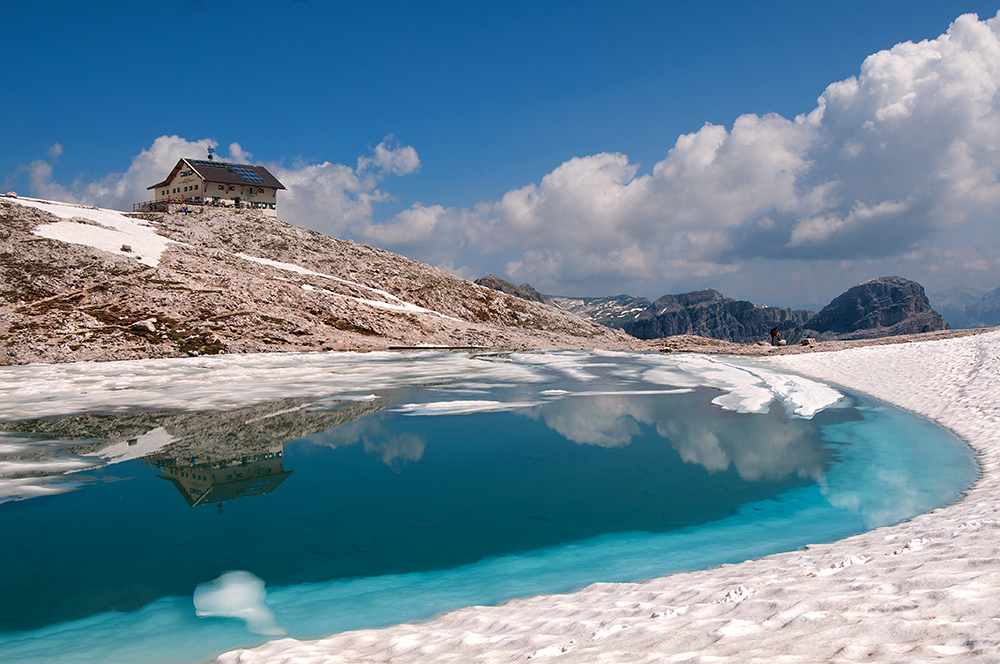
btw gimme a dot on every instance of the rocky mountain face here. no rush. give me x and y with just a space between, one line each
887 306
708 313
968 307
985 313
235 281
524 291
614 311
952 303
881 307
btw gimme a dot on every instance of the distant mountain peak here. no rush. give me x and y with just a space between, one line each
524 291
883 306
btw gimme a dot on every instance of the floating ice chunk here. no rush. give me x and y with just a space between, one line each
33 487
238 594
61 464
748 388
676 377
460 407
801 397
628 393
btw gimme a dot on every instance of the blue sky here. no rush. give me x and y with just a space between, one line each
588 148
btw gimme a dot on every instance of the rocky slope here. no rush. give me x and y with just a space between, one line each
238 282
886 306
612 311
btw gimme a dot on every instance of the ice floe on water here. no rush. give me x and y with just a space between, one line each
461 407
219 382
237 594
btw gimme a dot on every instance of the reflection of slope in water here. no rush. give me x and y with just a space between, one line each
210 456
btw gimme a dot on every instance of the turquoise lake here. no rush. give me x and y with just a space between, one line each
367 490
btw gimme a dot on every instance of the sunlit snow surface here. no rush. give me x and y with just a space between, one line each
596 399
107 230
226 381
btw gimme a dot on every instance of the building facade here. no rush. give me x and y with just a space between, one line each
219 183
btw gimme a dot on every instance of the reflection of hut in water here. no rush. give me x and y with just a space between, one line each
239 453
211 457
217 482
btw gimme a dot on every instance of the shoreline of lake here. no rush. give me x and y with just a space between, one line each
922 589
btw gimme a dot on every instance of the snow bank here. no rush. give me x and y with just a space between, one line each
922 590
107 230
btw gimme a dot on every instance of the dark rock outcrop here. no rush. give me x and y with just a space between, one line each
708 313
881 307
524 291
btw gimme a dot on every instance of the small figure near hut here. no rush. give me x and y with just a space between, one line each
776 339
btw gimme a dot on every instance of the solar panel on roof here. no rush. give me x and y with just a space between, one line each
247 174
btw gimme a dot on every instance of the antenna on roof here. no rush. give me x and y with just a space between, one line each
211 153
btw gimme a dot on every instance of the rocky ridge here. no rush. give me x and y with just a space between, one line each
708 313
968 307
524 291
235 281
613 311
887 306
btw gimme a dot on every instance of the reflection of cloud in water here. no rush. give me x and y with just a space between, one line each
604 421
865 485
756 446
394 448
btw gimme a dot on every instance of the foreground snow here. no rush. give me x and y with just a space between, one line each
922 590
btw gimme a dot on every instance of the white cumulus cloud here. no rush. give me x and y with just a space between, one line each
900 158
906 149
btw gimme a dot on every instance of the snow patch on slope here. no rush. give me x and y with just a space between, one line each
107 230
